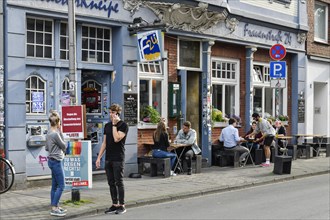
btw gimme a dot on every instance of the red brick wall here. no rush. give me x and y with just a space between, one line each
316 48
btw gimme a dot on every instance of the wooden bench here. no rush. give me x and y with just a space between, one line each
196 164
221 155
154 164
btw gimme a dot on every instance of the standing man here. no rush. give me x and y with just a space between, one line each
187 135
268 134
113 145
229 137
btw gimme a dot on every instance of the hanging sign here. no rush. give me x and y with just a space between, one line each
149 46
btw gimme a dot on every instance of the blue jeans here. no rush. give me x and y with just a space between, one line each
56 167
163 154
115 174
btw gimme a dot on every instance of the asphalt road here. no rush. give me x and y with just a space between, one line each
306 198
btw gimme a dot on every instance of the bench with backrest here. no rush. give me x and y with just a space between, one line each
155 163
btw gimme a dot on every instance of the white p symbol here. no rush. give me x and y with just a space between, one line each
277 68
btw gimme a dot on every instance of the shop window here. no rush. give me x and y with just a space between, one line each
225 86
189 54
91 96
39 41
321 22
264 96
96 44
150 87
64 41
35 95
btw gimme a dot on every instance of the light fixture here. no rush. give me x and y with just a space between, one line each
129 86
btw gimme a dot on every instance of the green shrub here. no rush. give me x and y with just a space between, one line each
149 114
217 115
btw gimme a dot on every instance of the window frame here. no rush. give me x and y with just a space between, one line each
200 54
66 50
227 82
37 89
34 44
96 39
266 84
326 25
150 76
99 93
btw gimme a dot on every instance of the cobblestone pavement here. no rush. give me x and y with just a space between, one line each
33 203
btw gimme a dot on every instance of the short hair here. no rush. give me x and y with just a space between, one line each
115 107
187 124
254 115
232 121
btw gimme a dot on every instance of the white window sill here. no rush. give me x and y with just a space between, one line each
144 125
220 124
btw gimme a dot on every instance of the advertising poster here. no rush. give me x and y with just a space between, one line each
77 165
72 122
37 102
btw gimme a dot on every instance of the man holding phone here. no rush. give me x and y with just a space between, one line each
113 145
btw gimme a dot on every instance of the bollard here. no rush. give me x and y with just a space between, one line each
75 195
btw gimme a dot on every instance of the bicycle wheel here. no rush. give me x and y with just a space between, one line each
7 175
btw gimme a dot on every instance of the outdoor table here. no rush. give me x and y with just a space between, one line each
175 147
319 140
249 144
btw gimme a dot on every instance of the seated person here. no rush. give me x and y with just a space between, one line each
187 135
280 131
231 140
255 144
161 144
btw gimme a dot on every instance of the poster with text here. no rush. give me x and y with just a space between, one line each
77 165
72 122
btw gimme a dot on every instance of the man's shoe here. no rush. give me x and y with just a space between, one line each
121 210
111 210
265 165
189 171
57 212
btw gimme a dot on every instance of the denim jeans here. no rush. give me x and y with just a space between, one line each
163 154
115 174
57 181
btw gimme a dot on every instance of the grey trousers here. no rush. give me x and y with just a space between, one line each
243 151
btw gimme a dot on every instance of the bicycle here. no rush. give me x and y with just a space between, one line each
7 174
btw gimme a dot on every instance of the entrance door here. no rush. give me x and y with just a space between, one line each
193 101
95 94
320 108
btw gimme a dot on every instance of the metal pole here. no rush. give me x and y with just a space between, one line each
75 193
72 51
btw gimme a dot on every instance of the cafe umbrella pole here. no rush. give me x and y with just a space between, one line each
75 193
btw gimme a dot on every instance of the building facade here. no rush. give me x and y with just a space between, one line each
214 54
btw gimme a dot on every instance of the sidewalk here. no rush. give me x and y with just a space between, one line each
33 203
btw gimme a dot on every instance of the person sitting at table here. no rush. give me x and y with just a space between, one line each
255 144
161 143
188 136
231 140
280 131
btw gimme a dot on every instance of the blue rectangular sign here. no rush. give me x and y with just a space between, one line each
277 69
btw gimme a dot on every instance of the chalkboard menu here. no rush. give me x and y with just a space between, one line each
301 111
130 109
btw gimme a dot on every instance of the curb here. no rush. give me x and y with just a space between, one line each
185 195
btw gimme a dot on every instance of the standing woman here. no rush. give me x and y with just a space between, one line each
56 148
161 144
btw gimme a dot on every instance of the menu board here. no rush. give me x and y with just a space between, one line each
301 111
130 109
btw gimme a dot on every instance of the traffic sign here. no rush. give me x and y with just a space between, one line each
277 69
277 52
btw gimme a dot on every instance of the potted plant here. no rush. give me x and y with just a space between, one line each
150 115
217 118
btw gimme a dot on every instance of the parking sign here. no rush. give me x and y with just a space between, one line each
277 69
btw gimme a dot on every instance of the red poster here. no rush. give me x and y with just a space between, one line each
72 122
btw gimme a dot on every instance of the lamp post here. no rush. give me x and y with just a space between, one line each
75 193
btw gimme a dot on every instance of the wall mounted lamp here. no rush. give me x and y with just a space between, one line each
129 86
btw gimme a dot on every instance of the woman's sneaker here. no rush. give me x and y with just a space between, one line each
57 212
62 209
172 173
120 210
110 210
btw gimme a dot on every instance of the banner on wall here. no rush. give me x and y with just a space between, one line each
149 46
72 122
37 102
77 165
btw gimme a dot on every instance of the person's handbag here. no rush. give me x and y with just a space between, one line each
196 149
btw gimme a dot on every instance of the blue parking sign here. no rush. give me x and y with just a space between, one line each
277 69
